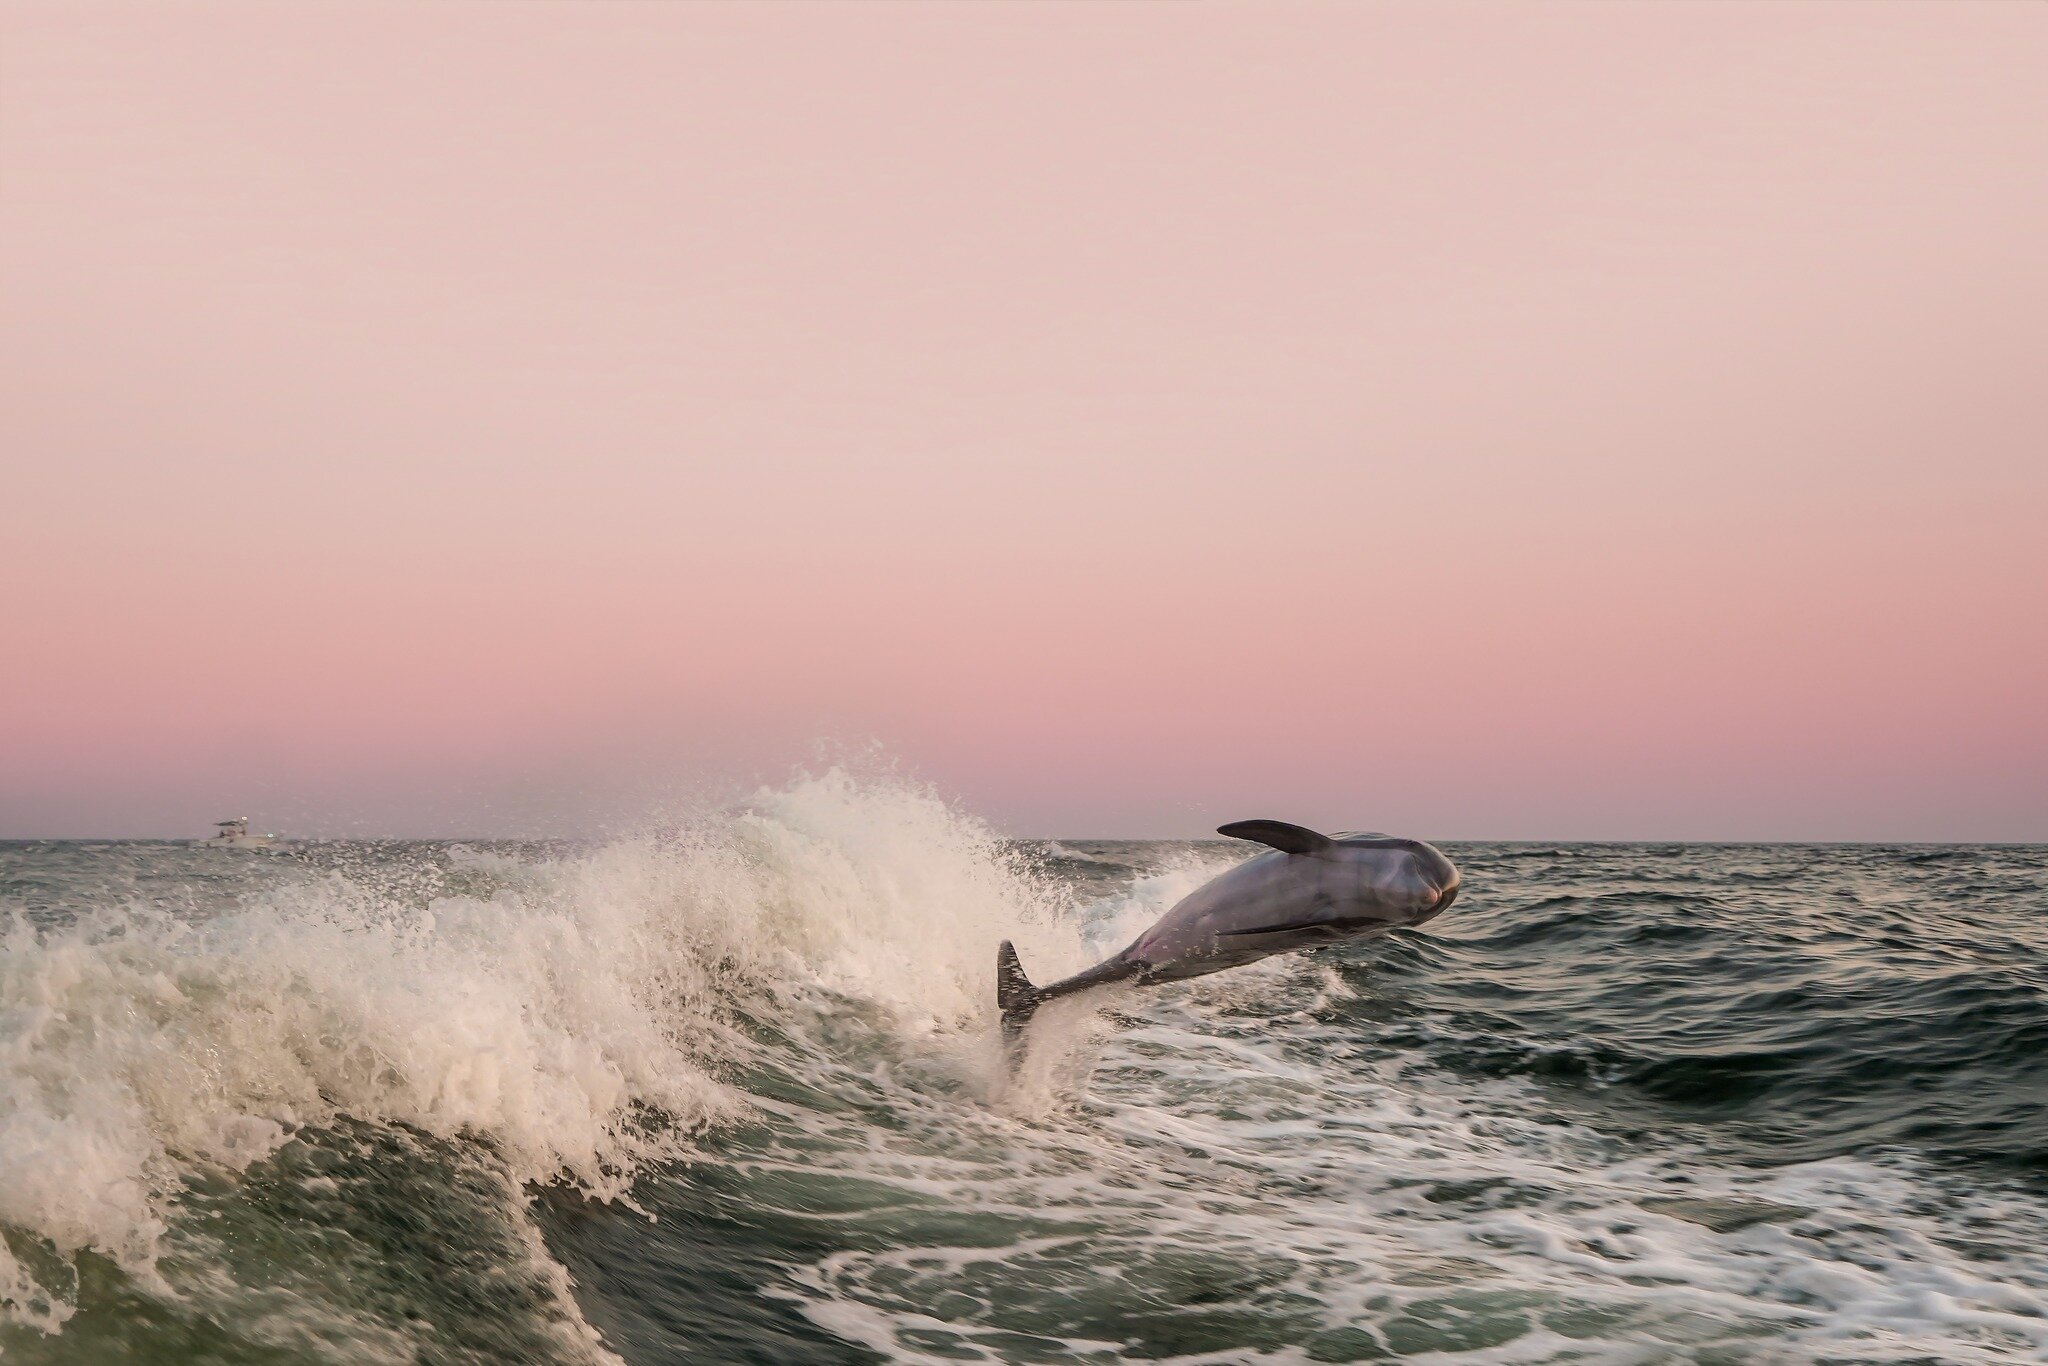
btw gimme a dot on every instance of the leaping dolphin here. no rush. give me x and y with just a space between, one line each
1312 890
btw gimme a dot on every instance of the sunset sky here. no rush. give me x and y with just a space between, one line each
1491 420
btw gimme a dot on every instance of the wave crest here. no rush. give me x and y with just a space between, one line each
551 1012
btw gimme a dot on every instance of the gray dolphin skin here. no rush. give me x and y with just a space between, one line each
1311 890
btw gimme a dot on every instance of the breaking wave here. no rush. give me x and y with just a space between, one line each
727 1090
580 1015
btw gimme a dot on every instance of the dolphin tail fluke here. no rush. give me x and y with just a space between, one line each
1015 996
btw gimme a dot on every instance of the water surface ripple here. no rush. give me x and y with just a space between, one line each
728 1095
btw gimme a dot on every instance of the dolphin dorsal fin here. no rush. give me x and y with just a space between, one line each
1289 839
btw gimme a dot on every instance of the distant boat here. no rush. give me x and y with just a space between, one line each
235 834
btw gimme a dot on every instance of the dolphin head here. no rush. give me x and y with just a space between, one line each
1441 872
1412 882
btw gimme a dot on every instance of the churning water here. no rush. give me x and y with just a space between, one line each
729 1094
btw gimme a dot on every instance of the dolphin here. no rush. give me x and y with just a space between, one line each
1309 891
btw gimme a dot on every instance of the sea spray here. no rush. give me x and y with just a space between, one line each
1761 1106
579 1018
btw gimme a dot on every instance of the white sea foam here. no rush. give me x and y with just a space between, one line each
1358 1206
139 1046
1237 1157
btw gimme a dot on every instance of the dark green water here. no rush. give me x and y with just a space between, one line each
728 1096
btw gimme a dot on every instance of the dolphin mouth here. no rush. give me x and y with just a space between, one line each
1335 927
1443 903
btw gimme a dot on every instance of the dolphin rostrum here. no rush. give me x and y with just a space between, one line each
1311 890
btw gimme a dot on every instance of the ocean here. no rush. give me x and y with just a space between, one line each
727 1090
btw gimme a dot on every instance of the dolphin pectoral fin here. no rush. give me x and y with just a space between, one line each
1289 839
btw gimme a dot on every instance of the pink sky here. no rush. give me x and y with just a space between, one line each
1471 420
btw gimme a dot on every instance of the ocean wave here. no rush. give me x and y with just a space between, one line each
547 1018
727 1091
